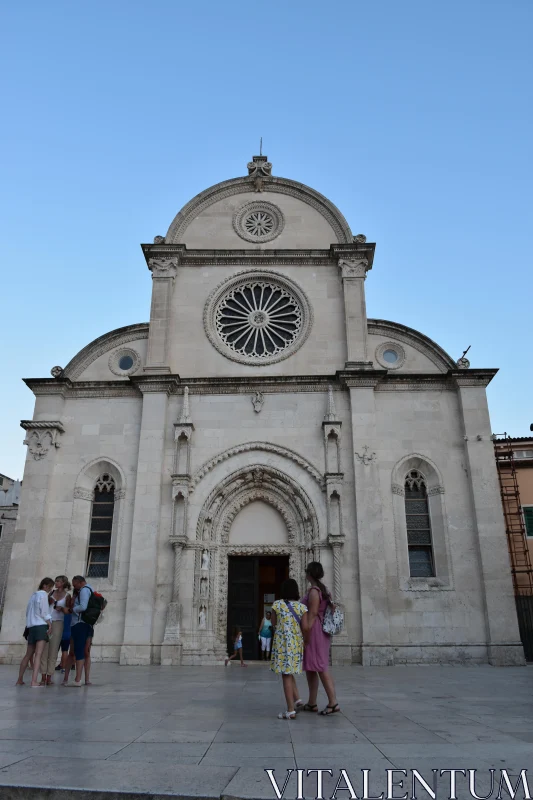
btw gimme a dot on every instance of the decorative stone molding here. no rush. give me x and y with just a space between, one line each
405 383
259 167
114 361
258 398
331 411
163 267
212 323
397 489
104 344
274 185
369 381
474 378
422 343
359 238
261 447
159 240
83 494
41 436
120 494
148 384
180 486
332 429
435 490
56 372
463 363
353 267
390 346
258 222
366 457
295 569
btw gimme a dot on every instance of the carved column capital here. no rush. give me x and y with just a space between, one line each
178 542
163 266
353 267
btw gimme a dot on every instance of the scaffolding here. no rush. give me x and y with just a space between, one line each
521 568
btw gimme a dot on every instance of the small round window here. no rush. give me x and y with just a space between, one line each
390 356
124 362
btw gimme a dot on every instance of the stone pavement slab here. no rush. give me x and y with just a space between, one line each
157 732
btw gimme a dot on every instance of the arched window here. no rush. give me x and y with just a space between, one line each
101 527
421 562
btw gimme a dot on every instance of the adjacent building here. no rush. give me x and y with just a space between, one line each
258 421
9 501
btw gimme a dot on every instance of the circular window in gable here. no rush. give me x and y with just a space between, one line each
257 318
258 222
390 355
124 362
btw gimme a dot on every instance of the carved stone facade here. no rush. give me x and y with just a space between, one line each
260 414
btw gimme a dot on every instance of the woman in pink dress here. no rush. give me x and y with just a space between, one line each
317 644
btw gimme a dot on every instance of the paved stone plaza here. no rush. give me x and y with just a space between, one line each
210 732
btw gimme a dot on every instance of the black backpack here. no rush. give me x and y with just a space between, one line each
95 606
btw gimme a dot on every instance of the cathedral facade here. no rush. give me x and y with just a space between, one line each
257 422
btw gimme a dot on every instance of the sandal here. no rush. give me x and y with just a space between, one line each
310 707
330 710
287 715
298 706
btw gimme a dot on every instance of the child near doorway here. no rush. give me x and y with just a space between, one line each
236 637
289 618
265 635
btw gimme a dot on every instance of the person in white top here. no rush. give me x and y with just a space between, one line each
59 601
39 625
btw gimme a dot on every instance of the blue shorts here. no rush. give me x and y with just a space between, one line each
80 632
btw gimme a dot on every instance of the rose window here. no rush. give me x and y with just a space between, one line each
258 320
259 223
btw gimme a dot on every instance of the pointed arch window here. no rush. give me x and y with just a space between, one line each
101 527
419 539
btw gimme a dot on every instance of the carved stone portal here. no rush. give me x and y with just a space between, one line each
246 485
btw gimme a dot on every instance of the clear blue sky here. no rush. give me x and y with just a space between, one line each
414 118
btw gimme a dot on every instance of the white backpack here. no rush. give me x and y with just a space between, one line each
333 621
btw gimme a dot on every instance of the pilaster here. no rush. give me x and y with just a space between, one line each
142 577
353 268
163 267
503 639
43 439
375 615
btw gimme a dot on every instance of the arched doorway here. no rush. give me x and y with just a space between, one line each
254 581
260 514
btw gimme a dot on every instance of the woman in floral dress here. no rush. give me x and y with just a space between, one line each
288 619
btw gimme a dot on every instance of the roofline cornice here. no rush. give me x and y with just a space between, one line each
271 185
380 380
253 258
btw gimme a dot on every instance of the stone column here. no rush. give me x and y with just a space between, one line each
171 649
504 645
376 644
142 577
353 271
336 546
163 271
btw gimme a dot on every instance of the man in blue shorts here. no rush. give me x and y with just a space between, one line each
80 631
